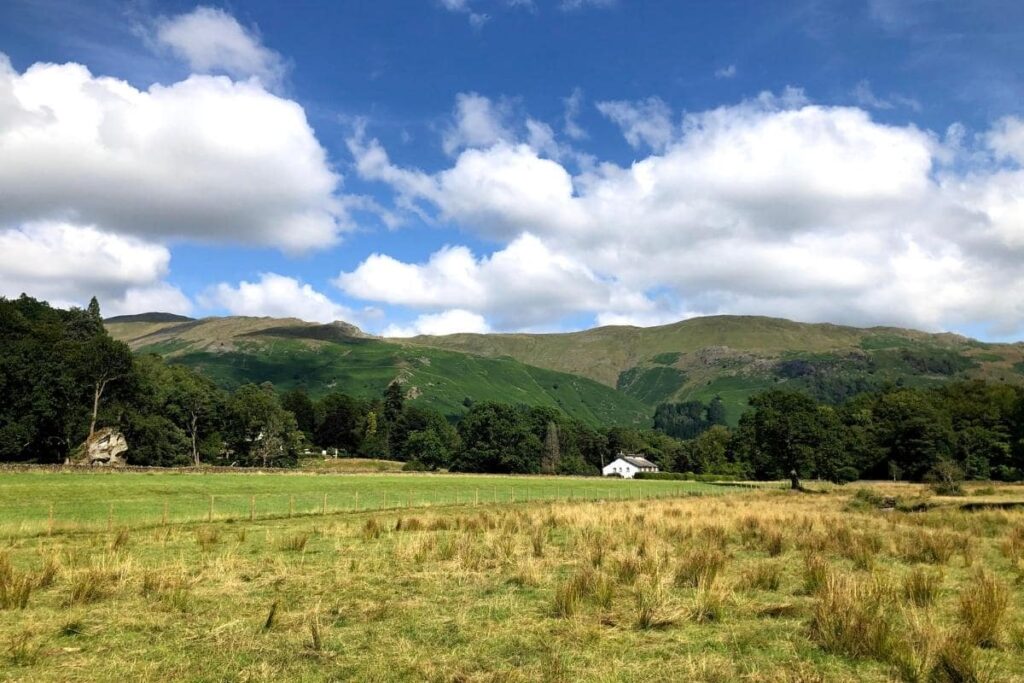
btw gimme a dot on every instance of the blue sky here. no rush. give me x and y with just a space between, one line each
470 165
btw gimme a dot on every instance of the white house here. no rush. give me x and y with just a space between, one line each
627 466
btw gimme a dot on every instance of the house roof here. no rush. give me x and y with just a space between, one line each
637 461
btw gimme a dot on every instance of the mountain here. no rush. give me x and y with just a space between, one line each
606 375
736 356
339 356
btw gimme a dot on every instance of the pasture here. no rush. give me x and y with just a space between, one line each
43 502
751 585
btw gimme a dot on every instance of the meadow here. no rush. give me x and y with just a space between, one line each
32 503
764 585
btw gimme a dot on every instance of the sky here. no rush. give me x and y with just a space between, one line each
441 166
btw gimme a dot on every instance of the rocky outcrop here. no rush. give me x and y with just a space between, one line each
106 447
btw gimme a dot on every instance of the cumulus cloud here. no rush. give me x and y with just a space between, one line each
276 296
647 122
66 264
446 322
207 158
522 285
772 206
211 40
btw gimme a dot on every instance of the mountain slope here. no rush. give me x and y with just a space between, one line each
292 353
736 356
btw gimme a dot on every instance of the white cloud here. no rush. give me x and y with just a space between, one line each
772 206
522 285
866 97
1006 139
726 71
571 5
446 322
573 105
67 264
477 122
276 296
646 122
211 40
207 158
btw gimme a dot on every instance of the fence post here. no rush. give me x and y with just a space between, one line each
49 528
165 512
357 500
323 508
209 516
511 494
384 504
477 496
110 518
252 508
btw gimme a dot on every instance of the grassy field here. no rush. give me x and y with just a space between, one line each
100 500
753 586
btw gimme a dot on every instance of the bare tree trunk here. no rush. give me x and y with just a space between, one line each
96 395
195 448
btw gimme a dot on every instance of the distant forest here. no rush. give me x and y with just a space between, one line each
62 377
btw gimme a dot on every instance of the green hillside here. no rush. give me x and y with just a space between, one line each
292 353
737 356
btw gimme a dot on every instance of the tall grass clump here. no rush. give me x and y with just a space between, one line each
854 617
921 586
15 587
982 609
650 598
699 566
569 596
765 576
207 537
294 542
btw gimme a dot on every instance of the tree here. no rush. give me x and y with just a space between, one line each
552 449
496 437
261 431
394 400
297 402
102 361
339 422
94 310
194 401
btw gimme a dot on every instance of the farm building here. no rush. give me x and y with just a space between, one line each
627 466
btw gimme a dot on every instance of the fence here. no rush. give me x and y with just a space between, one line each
95 514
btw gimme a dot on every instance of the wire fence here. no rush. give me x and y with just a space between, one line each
69 516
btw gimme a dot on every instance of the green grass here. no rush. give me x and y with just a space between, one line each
531 592
87 500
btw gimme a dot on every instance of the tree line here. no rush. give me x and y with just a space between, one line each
62 377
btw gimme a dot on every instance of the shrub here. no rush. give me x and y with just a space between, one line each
708 605
946 478
664 476
570 594
845 475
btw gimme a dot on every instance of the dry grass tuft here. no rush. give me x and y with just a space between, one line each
207 537
700 566
765 576
15 587
854 617
982 609
650 599
921 586
294 542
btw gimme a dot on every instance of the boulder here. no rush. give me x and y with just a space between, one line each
106 446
